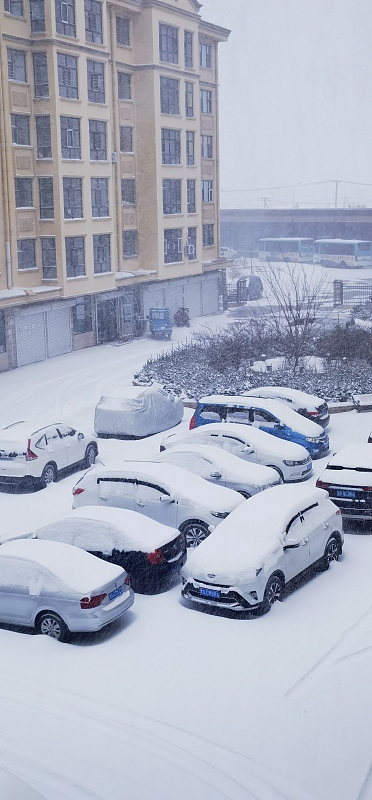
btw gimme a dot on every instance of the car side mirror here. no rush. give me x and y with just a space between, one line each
215 475
80 436
290 544
164 498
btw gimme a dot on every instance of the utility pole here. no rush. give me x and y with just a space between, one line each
265 199
336 192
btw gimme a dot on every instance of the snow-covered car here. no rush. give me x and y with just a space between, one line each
36 454
59 589
291 461
168 494
308 405
348 480
271 416
151 553
136 411
262 548
222 468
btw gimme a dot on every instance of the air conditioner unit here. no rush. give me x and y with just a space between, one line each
114 158
189 250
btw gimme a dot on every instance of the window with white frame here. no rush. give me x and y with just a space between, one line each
190 148
23 192
205 101
172 245
93 21
14 7
171 196
20 129
101 253
46 198
40 64
190 247
130 244
191 196
124 86
48 257
168 43
128 191
207 191
205 55
97 140
208 235
126 139
16 65
169 96
189 99
170 146
67 76
207 146
37 14
65 17
188 49
100 197
43 136
96 81
70 137
75 256
122 31
26 254
73 198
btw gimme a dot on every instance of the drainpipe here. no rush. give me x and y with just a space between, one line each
4 165
116 144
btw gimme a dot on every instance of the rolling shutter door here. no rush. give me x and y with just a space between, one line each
192 297
59 330
30 337
210 303
152 296
174 296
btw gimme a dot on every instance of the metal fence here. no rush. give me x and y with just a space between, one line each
346 293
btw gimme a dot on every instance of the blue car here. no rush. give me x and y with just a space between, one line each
271 416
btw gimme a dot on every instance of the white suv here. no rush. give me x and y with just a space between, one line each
34 454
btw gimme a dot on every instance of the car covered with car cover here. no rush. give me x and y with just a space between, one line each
136 411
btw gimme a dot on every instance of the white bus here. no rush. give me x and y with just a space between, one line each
348 253
286 249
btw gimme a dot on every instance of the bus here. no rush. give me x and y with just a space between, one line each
347 253
286 249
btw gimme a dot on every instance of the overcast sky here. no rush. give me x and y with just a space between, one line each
295 99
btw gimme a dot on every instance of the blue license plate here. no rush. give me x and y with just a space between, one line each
116 593
345 493
210 593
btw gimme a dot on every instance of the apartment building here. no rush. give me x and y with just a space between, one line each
109 200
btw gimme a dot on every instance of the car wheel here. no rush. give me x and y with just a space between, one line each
246 495
332 552
90 455
195 532
281 476
274 591
50 624
48 475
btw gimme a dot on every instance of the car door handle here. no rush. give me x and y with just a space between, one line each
140 503
304 541
326 525
104 498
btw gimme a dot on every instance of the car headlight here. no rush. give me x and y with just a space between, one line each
313 439
220 514
291 463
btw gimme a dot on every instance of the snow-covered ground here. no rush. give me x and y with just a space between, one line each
172 701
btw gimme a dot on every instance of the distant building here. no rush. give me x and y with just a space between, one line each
109 199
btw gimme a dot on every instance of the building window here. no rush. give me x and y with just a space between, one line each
190 148
2 332
20 129
97 140
17 65
170 146
46 199
168 44
70 137
23 192
101 253
14 7
207 191
191 197
128 192
171 196
26 254
37 14
190 249
43 136
49 258
93 21
189 99
208 235
65 17
205 54
100 198
205 101
169 96
75 256
126 139
130 244
96 81
122 31
73 198
172 245
67 76
41 86
188 41
207 146
124 86
82 317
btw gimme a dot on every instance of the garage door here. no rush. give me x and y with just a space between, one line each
59 331
152 296
192 297
174 295
210 304
30 337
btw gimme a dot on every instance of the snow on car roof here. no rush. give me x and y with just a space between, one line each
352 456
276 407
243 540
244 470
76 569
22 430
286 391
106 529
176 480
248 434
